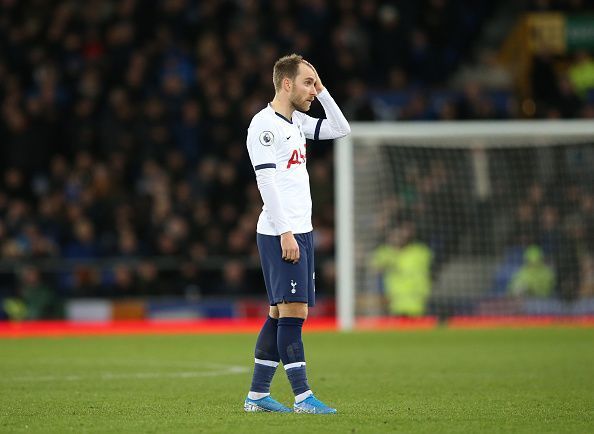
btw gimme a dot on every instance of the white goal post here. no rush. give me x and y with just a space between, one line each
474 136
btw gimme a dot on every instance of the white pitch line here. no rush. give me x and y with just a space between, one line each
229 370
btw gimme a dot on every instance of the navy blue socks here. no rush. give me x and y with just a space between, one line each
280 339
267 359
290 348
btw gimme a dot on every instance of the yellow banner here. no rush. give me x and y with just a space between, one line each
546 33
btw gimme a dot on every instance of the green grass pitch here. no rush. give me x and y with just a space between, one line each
444 380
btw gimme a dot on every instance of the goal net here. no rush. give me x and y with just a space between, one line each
465 219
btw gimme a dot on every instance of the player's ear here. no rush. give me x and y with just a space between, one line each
287 83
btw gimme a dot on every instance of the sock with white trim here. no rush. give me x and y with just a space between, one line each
266 361
290 348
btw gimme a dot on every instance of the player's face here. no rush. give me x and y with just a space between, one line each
303 91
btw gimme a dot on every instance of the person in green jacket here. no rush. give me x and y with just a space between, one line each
406 267
35 299
581 74
535 278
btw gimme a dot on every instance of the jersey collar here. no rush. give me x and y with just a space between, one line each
279 115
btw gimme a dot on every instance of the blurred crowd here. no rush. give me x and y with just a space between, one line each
559 221
538 224
122 126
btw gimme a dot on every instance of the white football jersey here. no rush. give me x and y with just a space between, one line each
277 143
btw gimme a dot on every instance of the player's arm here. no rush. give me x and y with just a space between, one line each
334 126
262 150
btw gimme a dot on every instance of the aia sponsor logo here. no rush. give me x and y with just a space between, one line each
297 158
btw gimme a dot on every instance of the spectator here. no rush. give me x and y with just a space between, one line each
406 267
149 283
581 73
534 278
83 243
124 284
234 281
35 299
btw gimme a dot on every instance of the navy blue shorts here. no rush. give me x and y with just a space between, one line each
285 281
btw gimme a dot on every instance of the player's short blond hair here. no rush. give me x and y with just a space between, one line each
286 67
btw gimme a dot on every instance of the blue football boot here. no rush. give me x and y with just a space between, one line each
313 405
266 404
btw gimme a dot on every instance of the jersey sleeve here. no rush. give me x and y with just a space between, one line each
261 143
311 126
334 126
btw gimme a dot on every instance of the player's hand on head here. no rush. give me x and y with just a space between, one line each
289 247
318 84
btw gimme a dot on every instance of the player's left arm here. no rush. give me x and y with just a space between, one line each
334 126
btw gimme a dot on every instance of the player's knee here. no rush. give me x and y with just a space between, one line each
294 310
